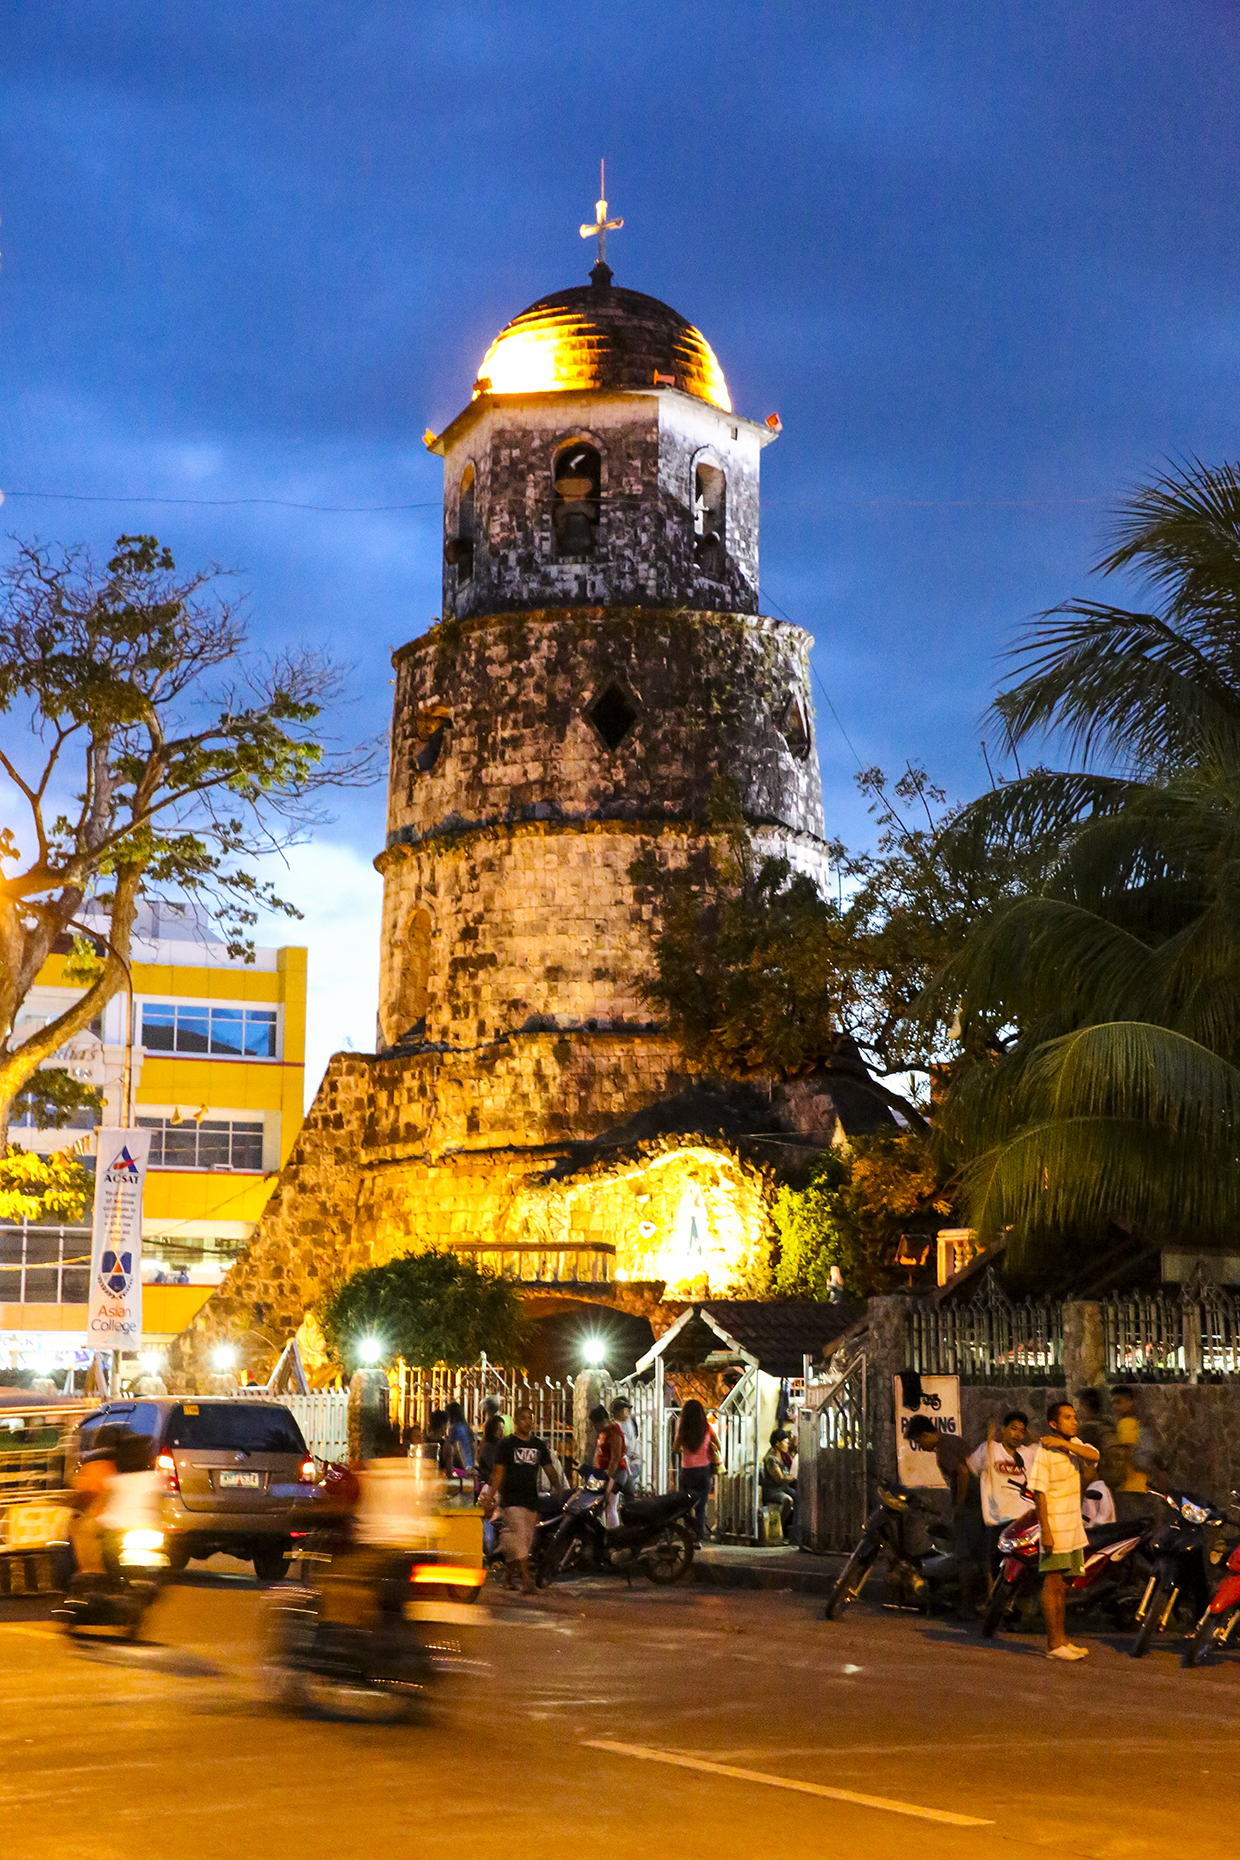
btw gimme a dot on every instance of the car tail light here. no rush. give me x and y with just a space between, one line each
166 1464
308 1472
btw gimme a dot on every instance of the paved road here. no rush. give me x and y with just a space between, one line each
803 1730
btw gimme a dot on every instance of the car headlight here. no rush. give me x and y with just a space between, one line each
1194 1514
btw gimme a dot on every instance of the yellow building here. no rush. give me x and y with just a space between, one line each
218 1063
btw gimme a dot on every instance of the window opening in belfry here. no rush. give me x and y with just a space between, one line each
430 734
794 728
709 518
578 481
459 549
613 714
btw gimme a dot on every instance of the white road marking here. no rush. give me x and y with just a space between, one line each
888 1803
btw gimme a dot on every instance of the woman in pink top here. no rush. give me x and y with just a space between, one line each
698 1448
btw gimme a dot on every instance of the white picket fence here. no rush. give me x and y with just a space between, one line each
322 1415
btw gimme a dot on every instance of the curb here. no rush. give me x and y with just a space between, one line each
816 1578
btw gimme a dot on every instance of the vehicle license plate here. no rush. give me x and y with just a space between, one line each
250 1480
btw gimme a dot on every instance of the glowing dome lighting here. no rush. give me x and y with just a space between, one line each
547 357
581 340
370 1349
594 1350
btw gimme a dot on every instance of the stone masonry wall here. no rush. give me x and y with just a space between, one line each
494 930
512 694
403 1152
648 445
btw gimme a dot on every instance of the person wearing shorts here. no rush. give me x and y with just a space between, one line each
1055 1481
519 1458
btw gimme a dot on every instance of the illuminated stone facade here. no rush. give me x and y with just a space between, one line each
570 717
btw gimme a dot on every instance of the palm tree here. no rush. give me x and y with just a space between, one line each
1101 1017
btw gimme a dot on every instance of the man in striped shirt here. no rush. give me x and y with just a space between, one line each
1055 1481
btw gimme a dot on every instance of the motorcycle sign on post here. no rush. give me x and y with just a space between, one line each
114 1306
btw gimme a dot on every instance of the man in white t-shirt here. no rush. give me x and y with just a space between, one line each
1000 1465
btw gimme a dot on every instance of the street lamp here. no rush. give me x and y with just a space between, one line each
224 1356
594 1350
370 1350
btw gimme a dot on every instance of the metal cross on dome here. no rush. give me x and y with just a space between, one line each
602 225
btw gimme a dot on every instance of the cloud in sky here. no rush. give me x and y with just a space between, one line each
340 895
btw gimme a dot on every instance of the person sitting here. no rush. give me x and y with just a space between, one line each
779 1486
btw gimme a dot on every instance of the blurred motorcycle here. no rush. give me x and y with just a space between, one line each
343 1646
121 1595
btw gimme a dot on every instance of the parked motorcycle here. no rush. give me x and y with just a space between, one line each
1112 1575
121 1596
344 1646
914 1544
1218 1620
654 1535
1177 1547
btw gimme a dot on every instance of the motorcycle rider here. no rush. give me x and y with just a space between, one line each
1055 1481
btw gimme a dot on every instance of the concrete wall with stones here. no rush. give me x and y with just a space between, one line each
648 445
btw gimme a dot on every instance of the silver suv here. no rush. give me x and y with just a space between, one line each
238 1476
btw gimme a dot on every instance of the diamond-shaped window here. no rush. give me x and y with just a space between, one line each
613 714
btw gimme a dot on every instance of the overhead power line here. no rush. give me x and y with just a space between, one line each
218 503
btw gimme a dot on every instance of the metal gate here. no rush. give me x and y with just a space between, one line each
738 1488
656 1425
833 1443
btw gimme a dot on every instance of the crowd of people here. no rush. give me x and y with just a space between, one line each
1082 1471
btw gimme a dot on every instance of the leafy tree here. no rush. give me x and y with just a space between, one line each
758 974
34 1187
852 1211
1101 1014
432 1307
135 772
54 1097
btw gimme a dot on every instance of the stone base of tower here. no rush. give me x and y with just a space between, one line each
577 1161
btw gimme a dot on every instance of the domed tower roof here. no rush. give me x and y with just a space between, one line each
592 337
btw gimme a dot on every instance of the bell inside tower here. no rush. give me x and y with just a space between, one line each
578 481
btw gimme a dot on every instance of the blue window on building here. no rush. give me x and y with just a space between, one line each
217 1032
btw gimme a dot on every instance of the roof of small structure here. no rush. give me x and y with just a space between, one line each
592 337
777 1333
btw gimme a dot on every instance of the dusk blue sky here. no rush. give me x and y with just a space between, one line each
982 260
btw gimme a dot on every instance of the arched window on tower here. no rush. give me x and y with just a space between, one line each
410 1016
710 495
459 549
578 484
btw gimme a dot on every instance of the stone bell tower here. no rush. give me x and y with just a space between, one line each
600 671
600 668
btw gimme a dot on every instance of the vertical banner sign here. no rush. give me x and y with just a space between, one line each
938 1398
114 1313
